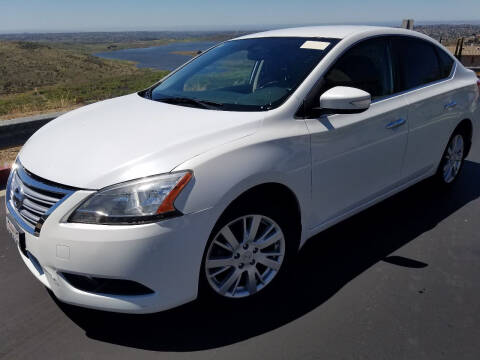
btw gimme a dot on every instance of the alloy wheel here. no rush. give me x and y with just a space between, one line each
245 256
453 158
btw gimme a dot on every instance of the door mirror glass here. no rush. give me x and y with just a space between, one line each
345 100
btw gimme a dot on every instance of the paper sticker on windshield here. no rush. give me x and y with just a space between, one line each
315 45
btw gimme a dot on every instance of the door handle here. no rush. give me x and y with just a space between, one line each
396 123
450 105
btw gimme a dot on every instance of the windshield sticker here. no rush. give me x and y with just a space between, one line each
315 45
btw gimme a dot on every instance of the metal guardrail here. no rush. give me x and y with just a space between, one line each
16 131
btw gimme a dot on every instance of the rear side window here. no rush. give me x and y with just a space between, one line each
417 61
446 63
365 66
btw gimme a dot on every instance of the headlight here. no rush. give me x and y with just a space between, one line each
133 202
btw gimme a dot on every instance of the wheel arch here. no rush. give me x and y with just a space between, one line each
466 125
277 194
270 195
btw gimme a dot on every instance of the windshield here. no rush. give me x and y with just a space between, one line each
244 75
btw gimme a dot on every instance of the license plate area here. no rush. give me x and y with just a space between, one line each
17 234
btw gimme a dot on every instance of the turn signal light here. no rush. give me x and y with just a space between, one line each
167 204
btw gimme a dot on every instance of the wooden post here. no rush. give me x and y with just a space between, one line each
460 50
456 48
407 24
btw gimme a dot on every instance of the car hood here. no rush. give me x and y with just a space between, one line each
128 138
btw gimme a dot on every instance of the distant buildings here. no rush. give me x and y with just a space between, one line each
461 40
449 34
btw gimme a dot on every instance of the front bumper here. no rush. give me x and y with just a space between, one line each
164 256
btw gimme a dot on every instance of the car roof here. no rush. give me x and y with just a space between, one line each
332 31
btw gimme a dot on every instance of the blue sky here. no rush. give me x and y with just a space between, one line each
94 15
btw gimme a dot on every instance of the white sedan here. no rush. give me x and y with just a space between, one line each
211 180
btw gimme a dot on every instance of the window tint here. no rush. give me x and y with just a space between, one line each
417 61
446 63
365 66
231 70
254 74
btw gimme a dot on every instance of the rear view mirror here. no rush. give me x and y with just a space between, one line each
345 100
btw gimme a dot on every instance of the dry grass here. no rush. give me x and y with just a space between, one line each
24 111
66 96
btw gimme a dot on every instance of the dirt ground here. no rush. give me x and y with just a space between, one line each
8 155
16 115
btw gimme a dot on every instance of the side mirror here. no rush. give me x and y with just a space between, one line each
345 100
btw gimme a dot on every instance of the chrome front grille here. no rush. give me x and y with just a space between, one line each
31 199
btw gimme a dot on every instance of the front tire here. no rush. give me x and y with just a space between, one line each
248 252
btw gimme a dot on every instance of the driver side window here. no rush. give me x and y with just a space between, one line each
365 66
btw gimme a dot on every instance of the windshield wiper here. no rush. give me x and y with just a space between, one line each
205 104
148 94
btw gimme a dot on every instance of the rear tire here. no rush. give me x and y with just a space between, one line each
452 160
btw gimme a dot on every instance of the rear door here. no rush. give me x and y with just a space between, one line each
425 75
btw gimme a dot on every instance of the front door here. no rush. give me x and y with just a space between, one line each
358 157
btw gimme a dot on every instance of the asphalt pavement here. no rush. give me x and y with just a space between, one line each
398 281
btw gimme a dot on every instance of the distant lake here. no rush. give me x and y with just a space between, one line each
158 57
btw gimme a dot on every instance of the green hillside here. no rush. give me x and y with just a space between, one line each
26 65
36 78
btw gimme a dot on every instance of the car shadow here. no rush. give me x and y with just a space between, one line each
327 262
